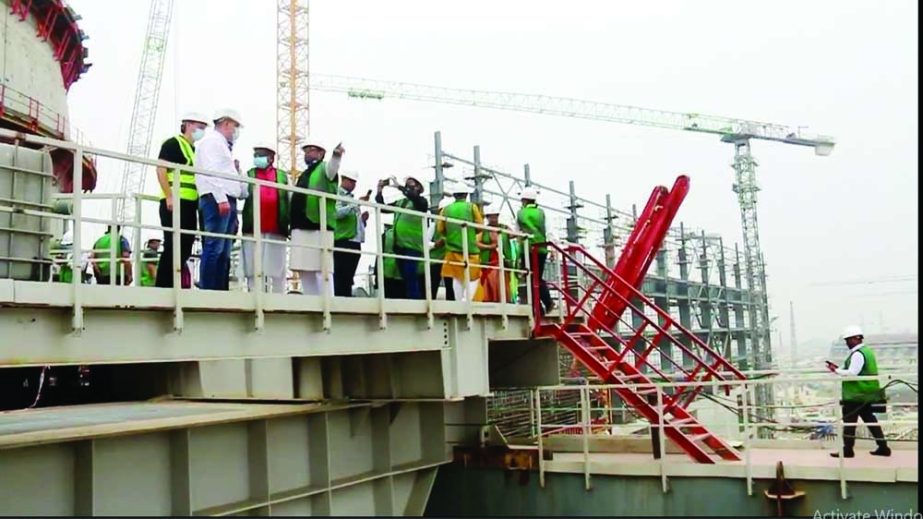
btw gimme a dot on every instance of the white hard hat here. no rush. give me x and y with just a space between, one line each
195 117
352 175
851 331
492 209
315 143
445 202
460 188
264 145
68 238
415 179
529 193
228 113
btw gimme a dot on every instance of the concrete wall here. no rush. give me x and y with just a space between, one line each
495 492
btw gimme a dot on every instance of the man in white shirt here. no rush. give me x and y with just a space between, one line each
218 197
349 234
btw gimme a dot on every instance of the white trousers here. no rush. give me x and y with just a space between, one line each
312 281
273 263
460 293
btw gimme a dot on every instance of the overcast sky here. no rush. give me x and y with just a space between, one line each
841 68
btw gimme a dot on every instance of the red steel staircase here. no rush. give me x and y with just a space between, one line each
613 329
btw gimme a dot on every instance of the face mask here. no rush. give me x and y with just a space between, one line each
236 135
197 134
309 162
261 162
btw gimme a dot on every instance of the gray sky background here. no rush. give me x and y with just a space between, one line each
842 68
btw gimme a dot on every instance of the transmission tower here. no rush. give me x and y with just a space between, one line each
293 101
144 110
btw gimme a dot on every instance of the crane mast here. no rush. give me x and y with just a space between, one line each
292 94
144 110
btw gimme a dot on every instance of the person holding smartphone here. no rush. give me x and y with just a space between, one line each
859 396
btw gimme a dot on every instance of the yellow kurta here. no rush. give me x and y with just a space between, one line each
458 271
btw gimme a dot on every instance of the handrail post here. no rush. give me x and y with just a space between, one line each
585 418
527 264
77 278
469 320
258 277
325 253
427 277
661 432
136 264
380 270
177 258
115 240
745 409
504 318
538 426
840 424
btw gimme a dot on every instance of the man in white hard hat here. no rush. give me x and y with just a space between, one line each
273 220
218 197
349 234
456 236
437 255
179 149
408 231
305 216
860 397
490 242
531 220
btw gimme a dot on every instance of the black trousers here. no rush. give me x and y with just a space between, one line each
344 267
189 219
852 411
436 279
543 292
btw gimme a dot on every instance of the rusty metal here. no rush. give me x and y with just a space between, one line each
782 491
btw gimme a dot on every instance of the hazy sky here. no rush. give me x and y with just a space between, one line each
841 68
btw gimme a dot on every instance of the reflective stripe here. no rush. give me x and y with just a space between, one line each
187 188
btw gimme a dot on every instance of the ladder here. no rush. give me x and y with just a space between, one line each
614 330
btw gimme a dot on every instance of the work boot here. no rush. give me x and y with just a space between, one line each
882 450
847 453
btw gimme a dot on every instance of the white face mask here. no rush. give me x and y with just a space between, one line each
236 135
197 134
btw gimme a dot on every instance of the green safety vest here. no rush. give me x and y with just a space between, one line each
438 252
281 207
101 252
65 272
864 391
507 249
148 280
531 220
460 210
347 226
187 189
318 181
408 227
390 264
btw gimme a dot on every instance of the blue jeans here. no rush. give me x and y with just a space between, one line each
214 266
410 275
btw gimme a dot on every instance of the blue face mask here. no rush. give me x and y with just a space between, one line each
197 134
261 162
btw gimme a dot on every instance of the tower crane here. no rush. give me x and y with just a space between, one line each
144 110
292 97
738 132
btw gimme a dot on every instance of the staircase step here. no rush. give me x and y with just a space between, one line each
680 422
699 437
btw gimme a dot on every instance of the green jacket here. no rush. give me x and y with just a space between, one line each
318 181
390 264
864 391
531 219
282 206
460 210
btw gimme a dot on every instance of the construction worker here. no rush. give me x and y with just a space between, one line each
437 255
273 217
150 258
408 231
350 233
218 197
455 236
860 397
103 267
394 285
179 149
305 219
62 254
490 242
531 220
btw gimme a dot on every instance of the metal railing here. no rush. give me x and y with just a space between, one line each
37 115
581 403
79 221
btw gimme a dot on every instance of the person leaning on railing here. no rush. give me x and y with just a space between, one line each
408 231
179 149
860 397
273 222
455 238
350 233
437 255
489 243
